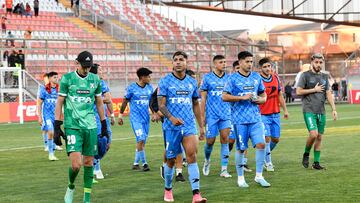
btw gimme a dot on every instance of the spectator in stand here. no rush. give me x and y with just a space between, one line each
288 91
21 59
36 7
28 10
3 25
16 9
9 5
10 38
76 10
27 37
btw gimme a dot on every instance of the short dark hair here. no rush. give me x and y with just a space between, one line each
244 54
180 53
143 72
263 61
189 72
52 73
218 57
317 56
236 63
94 68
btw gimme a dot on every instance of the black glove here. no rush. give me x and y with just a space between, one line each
104 132
58 133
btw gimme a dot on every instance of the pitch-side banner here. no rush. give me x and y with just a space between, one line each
355 97
10 112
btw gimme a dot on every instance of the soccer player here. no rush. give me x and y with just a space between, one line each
43 131
139 95
103 142
178 101
270 110
313 86
216 114
180 159
79 90
246 90
236 68
46 108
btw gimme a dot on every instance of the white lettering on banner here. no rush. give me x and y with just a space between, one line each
30 110
357 96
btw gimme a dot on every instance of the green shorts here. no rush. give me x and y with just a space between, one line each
81 140
315 122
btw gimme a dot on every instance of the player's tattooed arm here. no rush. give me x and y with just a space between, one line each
163 109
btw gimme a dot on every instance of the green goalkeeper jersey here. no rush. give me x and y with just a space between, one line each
79 101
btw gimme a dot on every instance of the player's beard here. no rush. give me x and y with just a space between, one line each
316 69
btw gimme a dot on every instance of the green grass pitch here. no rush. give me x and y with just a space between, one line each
27 176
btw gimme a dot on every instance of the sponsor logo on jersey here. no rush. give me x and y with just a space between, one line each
216 93
182 92
248 87
83 91
180 100
78 99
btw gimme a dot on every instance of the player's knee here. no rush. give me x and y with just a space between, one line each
314 134
267 139
260 146
88 161
170 162
76 166
275 140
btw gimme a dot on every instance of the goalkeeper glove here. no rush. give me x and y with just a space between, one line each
104 132
58 132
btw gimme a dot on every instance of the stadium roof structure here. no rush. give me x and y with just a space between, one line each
345 12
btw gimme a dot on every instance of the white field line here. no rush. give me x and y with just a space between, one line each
341 130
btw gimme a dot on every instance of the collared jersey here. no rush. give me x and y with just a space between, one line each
214 86
49 101
139 98
80 97
245 112
179 95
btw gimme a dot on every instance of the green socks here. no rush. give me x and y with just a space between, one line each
316 156
72 176
307 149
88 181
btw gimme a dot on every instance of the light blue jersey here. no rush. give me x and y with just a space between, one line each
216 108
179 95
245 112
104 89
139 98
48 107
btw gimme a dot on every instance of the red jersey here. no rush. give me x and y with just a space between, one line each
273 88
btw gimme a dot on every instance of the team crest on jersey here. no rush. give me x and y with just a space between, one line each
190 86
92 85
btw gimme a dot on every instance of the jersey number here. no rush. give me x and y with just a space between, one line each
138 132
71 139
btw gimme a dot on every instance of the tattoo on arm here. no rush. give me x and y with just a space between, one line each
162 107
123 106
